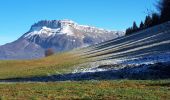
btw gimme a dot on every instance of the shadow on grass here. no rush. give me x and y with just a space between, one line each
107 75
142 72
160 84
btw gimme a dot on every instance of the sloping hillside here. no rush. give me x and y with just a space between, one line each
56 64
152 44
145 55
141 54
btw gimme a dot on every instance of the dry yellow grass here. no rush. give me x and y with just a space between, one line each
59 63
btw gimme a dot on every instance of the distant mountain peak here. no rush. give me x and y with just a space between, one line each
48 28
61 35
53 23
67 21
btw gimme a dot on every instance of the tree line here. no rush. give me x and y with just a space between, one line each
153 19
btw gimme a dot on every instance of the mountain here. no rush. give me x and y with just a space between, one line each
60 35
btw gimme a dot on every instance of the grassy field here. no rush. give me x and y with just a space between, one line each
111 90
56 64
64 63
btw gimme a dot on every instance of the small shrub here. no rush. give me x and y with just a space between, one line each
49 52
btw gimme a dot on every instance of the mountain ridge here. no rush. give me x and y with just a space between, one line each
60 35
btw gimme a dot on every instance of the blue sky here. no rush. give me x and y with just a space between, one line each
18 15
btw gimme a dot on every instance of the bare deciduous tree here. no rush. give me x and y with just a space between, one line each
49 52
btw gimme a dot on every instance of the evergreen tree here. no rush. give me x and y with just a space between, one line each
164 7
141 25
135 27
129 31
148 21
132 29
155 19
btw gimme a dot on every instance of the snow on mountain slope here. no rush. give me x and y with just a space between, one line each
146 47
48 28
60 35
65 35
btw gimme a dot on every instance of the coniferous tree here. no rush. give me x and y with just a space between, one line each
132 29
155 19
128 31
141 25
164 7
135 27
148 22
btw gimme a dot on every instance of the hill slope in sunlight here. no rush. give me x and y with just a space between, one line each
56 64
144 55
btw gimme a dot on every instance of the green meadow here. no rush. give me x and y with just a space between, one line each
103 90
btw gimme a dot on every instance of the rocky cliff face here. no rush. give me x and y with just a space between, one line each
61 35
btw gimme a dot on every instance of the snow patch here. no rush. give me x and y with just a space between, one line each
66 30
43 32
